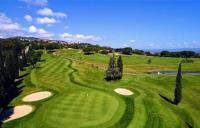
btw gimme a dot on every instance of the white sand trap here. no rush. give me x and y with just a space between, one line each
16 112
37 96
123 91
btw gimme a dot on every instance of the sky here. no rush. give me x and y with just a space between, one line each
141 24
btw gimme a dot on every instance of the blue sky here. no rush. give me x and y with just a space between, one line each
142 24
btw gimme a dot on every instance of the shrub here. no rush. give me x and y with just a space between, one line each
127 51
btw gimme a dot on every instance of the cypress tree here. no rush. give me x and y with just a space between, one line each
114 70
22 59
15 56
120 66
111 69
2 77
178 88
10 67
149 61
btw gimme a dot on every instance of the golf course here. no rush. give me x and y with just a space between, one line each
76 95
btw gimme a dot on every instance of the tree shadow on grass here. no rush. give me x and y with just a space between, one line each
38 67
167 99
189 125
22 76
42 60
7 112
11 93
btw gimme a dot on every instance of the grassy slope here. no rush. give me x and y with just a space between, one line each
71 101
83 98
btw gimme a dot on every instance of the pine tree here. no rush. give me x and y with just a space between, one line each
10 67
2 77
178 88
16 50
22 59
111 69
149 61
114 70
120 66
32 58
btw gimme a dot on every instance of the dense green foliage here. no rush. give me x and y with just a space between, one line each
120 66
13 59
149 61
115 70
183 54
127 51
178 89
89 50
33 57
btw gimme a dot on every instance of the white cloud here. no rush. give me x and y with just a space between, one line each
28 18
32 29
36 2
126 45
80 37
46 20
151 45
40 32
6 24
8 27
132 41
50 12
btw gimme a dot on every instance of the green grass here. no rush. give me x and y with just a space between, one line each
82 98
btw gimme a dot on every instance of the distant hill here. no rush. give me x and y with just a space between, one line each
197 50
24 38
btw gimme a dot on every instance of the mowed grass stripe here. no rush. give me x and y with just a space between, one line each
71 110
129 105
75 107
50 65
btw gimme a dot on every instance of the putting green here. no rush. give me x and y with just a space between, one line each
89 108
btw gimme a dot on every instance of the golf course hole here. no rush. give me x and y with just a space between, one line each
37 96
123 91
15 113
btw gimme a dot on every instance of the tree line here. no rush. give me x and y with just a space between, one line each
91 49
14 56
181 54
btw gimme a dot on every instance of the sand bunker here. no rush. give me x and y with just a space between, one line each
16 112
117 54
37 96
123 91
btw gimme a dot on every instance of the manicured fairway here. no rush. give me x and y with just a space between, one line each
82 98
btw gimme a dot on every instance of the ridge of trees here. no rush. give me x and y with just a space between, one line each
90 48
